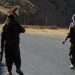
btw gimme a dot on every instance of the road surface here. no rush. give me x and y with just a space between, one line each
43 55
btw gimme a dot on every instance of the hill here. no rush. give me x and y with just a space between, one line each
45 12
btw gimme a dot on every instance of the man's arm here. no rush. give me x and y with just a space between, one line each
65 40
21 29
69 34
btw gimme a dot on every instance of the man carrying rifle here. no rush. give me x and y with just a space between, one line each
71 36
10 43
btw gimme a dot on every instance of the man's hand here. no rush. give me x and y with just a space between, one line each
63 42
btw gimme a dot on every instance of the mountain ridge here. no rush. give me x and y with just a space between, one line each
48 12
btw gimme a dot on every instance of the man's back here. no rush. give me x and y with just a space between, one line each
11 32
72 33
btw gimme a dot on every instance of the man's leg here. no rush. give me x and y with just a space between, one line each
18 66
9 58
9 66
72 56
17 61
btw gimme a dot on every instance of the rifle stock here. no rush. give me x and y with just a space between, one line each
1 55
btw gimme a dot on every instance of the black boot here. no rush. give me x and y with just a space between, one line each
19 72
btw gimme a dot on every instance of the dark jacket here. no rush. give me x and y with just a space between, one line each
71 34
10 33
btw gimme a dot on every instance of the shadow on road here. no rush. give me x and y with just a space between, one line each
2 68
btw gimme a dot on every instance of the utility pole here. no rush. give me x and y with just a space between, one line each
46 20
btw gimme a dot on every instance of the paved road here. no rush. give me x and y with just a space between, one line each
43 55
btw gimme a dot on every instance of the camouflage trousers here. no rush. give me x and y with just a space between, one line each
72 53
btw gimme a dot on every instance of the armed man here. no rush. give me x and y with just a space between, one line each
10 43
71 36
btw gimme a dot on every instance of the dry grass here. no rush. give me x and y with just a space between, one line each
57 32
54 32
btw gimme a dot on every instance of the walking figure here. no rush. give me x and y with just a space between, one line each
71 36
10 43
